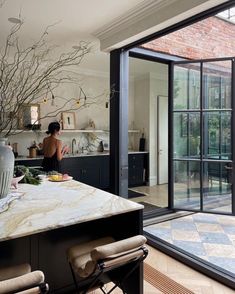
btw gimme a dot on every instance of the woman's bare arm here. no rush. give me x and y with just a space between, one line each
59 152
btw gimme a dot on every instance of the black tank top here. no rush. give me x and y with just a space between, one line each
51 163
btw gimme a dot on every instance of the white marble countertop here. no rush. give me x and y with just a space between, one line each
80 155
53 205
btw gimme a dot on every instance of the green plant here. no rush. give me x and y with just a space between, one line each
30 174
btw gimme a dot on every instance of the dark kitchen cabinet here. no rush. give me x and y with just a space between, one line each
87 169
36 163
94 170
137 163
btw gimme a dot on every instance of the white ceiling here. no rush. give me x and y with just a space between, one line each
75 17
75 20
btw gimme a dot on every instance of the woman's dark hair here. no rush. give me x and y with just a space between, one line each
53 127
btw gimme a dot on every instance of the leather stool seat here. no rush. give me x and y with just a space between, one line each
20 279
101 255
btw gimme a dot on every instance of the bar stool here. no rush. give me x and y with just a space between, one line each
98 262
20 279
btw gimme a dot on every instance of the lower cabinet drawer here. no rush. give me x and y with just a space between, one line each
136 177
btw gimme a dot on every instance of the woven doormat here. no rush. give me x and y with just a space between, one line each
162 282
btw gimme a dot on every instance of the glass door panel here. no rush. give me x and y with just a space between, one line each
217 192
187 184
186 84
187 135
202 136
217 135
217 80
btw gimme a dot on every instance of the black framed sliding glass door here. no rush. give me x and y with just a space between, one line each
202 134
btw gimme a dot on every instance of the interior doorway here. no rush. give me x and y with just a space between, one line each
148 103
201 129
162 140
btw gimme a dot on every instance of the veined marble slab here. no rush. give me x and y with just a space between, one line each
53 205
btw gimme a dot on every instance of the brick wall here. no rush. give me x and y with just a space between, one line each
209 38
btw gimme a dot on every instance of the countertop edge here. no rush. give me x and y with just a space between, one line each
80 155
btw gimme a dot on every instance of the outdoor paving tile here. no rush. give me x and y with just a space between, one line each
232 239
205 218
229 229
219 250
162 233
184 225
195 248
225 263
166 225
209 237
217 238
226 220
208 227
185 235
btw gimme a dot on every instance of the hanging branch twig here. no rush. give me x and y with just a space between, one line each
27 74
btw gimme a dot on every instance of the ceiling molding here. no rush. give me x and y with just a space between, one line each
132 16
147 18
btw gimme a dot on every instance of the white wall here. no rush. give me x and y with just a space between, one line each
141 108
97 88
147 88
158 86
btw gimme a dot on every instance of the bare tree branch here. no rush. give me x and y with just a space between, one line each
27 74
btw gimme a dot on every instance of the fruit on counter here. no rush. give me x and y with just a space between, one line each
59 177
56 177
65 176
53 172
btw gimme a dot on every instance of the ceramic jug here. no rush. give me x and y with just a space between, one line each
6 167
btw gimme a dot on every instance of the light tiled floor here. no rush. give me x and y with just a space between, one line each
207 236
156 195
184 275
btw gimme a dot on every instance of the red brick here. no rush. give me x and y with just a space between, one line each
209 38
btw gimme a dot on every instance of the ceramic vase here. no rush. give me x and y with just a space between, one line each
6 167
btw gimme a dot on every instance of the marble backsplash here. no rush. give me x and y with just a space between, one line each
84 141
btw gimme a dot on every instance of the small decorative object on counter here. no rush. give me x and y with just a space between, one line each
15 149
100 147
6 167
142 143
33 150
40 149
91 125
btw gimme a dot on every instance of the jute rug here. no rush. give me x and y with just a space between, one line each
158 280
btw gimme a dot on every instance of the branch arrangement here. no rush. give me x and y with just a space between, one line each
28 74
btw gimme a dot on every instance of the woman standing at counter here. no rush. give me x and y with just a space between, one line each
52 148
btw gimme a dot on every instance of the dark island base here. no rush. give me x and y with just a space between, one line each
47 251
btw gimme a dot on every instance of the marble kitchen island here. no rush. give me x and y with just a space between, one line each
47 219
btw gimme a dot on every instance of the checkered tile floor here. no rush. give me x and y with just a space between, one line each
209 237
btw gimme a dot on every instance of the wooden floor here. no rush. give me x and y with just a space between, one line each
180 273
184 275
